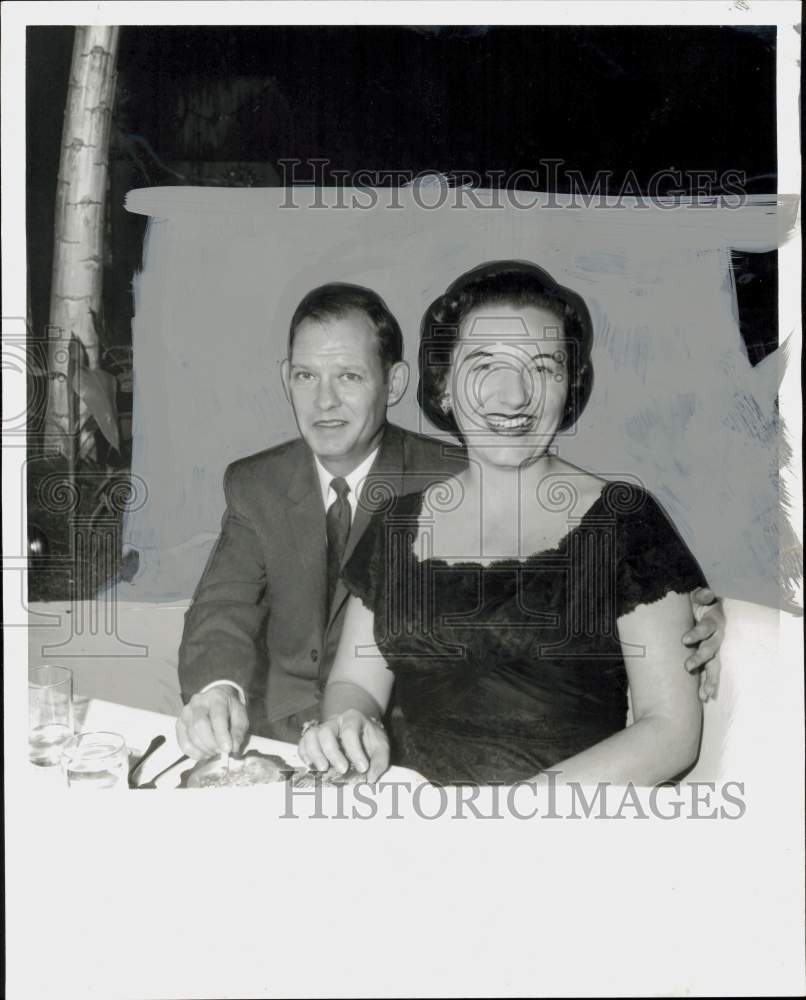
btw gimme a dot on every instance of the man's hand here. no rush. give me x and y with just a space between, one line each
211 723
344 740
706 636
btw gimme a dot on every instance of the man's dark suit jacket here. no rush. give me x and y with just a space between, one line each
262 596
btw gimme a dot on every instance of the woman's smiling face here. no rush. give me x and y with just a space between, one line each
509 382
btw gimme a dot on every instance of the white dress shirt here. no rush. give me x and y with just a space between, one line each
355 481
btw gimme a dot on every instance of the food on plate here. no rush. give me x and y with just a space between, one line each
254 768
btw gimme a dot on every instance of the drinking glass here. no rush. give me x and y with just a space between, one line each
96 760
50 712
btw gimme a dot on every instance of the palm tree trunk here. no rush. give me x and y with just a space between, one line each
77 278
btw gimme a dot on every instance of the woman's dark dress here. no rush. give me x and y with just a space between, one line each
504 670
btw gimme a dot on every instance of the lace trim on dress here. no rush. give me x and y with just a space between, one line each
652 559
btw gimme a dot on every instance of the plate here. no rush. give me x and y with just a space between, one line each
304 778
237 770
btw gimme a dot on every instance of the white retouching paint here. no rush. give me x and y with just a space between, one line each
676 402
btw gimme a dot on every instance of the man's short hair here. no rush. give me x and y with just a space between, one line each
336 300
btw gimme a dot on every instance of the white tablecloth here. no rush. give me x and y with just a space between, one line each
139 726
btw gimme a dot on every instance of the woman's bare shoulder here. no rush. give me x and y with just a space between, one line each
584 488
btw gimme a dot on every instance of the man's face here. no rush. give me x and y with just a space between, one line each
335 382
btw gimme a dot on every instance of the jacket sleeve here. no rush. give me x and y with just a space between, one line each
229 607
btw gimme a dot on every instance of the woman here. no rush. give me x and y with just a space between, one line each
513 606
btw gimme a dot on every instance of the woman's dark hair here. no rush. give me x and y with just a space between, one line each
336 300
514 283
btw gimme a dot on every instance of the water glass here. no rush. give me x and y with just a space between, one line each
50 713
96 761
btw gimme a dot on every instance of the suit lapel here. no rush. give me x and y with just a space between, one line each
385 476
306 519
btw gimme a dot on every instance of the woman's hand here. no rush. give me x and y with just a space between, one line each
347 739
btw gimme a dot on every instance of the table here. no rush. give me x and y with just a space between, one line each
139 726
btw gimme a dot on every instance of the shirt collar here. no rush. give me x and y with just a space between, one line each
354 478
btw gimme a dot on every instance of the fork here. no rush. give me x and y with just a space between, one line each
170 767
155 744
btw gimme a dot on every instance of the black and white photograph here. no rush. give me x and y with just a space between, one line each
401 444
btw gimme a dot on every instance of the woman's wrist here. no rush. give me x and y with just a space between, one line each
339 715
341 696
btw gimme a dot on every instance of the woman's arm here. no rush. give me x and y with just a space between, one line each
359 675
663 740
356 696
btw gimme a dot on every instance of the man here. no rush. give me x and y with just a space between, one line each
269 582
266 617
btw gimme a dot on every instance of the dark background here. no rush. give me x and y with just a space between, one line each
200 105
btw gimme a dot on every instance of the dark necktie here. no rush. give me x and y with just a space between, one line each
339 516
